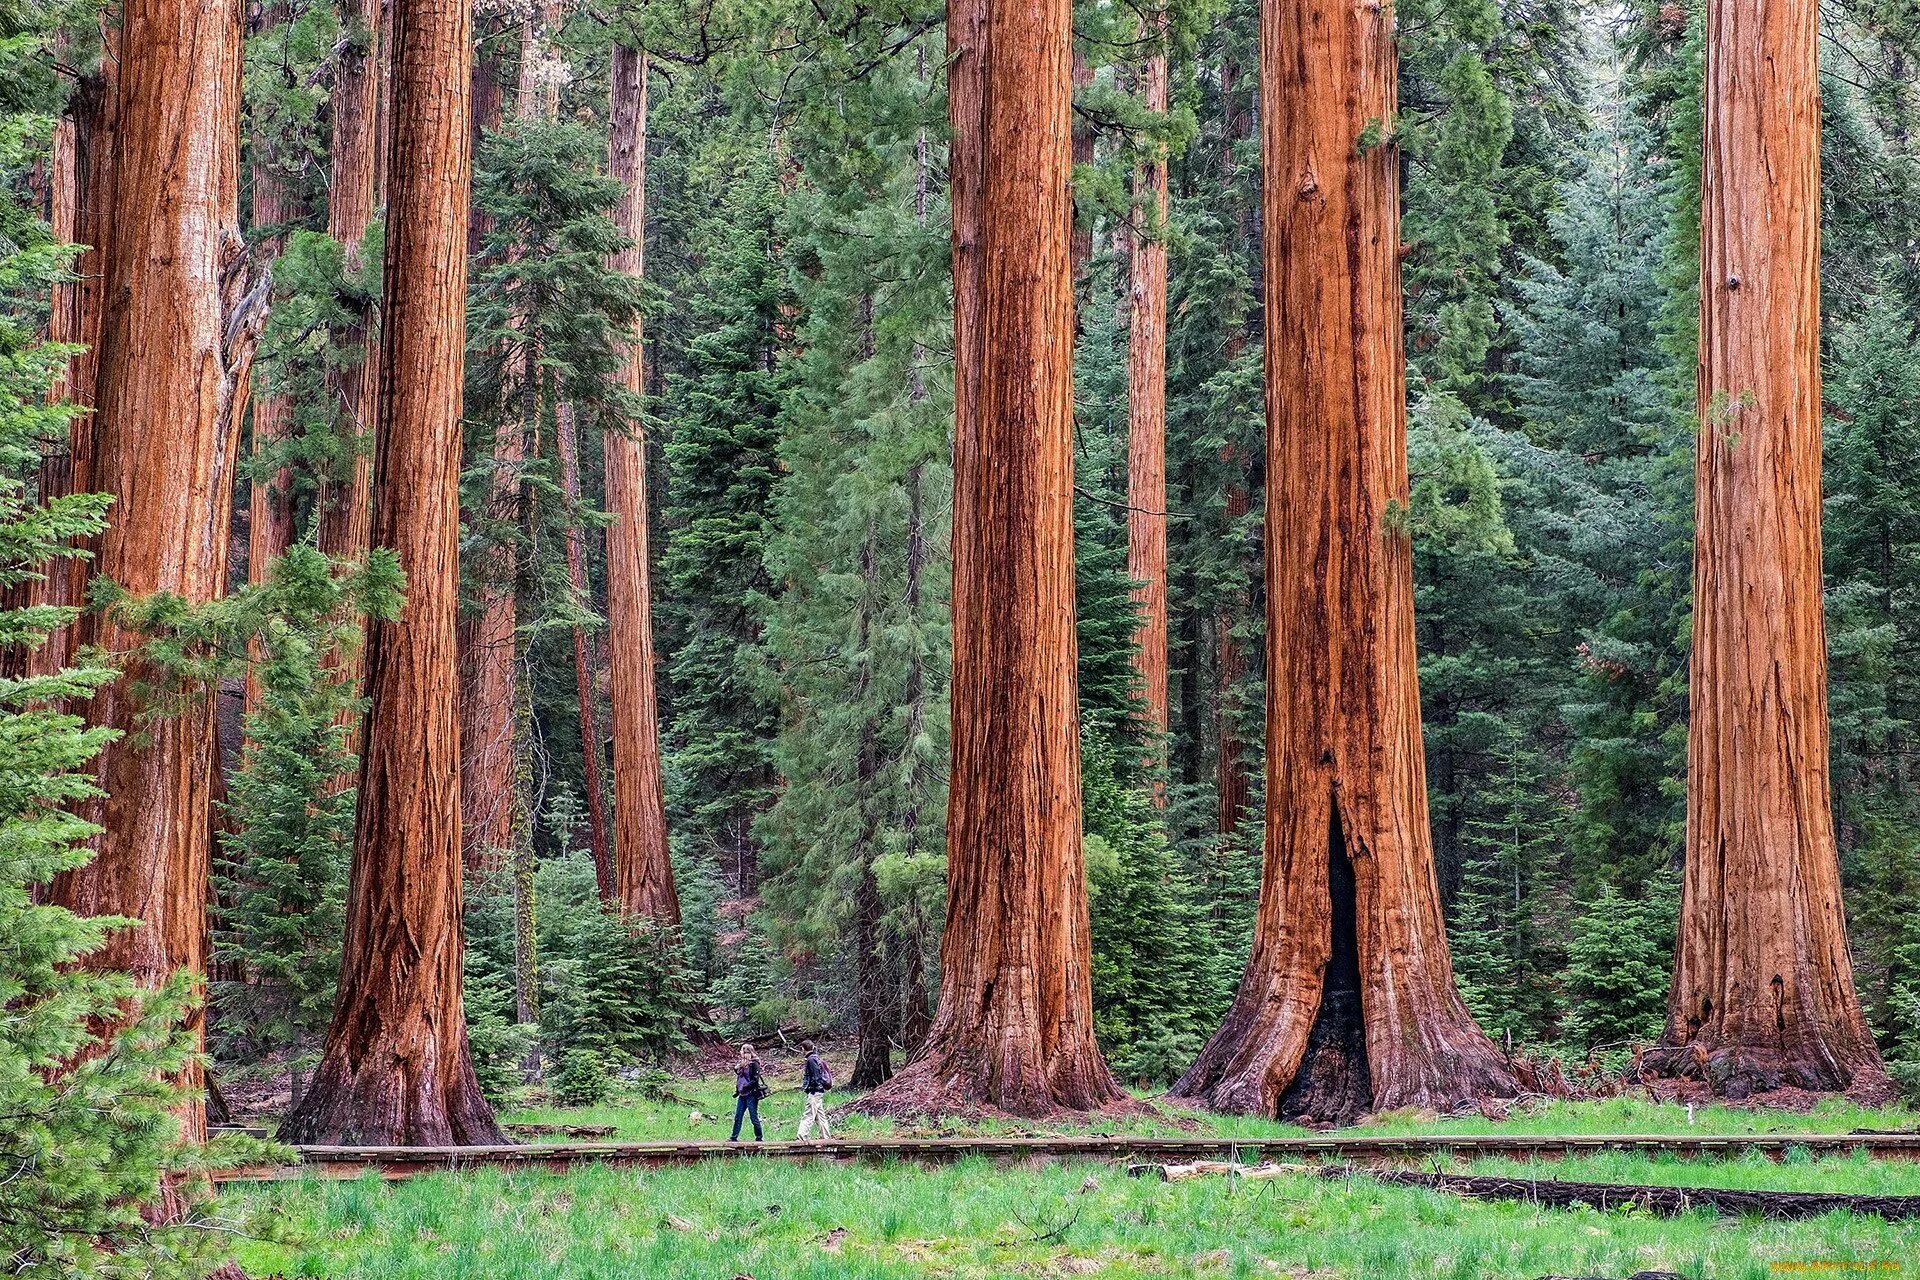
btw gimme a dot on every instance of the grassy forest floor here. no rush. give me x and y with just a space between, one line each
974 1219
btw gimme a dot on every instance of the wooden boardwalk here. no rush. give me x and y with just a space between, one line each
407 1162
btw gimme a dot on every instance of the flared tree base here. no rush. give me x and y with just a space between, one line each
385 1106
946 1084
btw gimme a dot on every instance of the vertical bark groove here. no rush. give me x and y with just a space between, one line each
1346 786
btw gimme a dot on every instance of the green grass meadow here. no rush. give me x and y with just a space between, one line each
811 1220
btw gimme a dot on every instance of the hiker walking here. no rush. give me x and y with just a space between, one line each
748 1089
815 1080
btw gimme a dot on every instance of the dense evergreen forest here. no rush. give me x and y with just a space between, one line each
660 330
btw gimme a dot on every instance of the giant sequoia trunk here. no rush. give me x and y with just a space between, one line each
164 433
643 873
396 1069
1347 1003
1763 990
1147 401
1014 1027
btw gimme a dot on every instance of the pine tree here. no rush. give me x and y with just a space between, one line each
723 413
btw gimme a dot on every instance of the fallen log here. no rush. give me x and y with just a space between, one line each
1202 1168
1665 1202
532 1130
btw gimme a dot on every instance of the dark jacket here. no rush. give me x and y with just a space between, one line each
816 1078
746 1081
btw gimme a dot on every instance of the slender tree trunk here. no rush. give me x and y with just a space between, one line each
487 657
1348 1001
873 1061
353 383
567 439
1147 402
643 871
270 507
1081 246
168 396
396 1069
1232 786
270 516
1763 992
1014 1028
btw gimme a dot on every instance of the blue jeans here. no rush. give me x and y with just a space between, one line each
746 1105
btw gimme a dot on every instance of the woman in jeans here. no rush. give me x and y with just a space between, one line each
748 1089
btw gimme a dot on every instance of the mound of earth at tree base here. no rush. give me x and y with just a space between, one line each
918 1095
1753 1078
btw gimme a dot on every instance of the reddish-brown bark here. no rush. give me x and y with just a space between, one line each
1347 1002
1014 1028
1081 247
1763 992
164 434
643 871
396 1069
567 439
1147 402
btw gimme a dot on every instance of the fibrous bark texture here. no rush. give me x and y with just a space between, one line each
1147 401
396 1070
1014 1028
164 433
1763 990
1347 1003
642 870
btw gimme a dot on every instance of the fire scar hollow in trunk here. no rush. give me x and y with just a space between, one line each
1347 1004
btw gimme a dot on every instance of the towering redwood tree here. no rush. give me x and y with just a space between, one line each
1014 1028
167 396
396 1069
1347 1002
643 872
1763 990
1147 397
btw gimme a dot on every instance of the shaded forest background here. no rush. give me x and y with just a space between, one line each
797 411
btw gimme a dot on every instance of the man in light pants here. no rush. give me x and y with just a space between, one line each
815 1080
